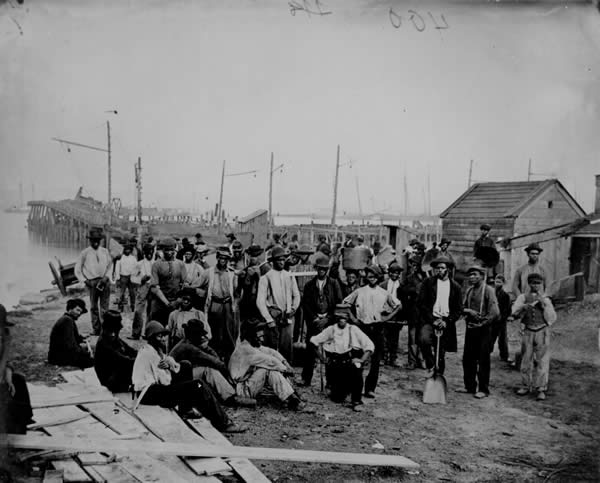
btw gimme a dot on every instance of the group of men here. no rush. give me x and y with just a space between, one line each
219 335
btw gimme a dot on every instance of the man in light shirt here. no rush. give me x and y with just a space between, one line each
440 306
93 269
142 277
125 271
347 349
161 381
374 306
278 299
168 275
533 265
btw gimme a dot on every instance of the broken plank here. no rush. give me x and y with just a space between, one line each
243 467
73 401
198 449
168 426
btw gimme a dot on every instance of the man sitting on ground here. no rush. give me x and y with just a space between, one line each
161 381
67 347
113 359
253 365
206 364
347 349
186 312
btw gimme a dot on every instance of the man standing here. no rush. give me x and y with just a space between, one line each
278 299
409 293
248 284
230 239
533 265
480 310
484 239
142 278
219 283
347 349
162 381
499 325
168 276
320 297
237 261
537 315
67 347
393 327
113 359
444 252
373 304
352 283
440 305
125 269
192 269
252 366
93 268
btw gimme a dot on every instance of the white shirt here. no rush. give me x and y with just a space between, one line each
441 307
127 266
146 371
392 287
370 303
341 341
143 268
93 264
321 284
277 288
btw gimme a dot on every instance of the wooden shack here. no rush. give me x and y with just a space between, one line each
257 224
520 212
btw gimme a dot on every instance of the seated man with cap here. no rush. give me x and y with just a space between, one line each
113 358
480 311
321 295
206 363
179 317
373 306
162 381
537 315
347 349
439 305
252 366
67 347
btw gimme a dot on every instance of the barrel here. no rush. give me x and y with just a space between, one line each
356 258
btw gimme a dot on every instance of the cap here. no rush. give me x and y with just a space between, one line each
436 261
534 277
321 261
237 245
343 310
254 250
72 303
394 267
167 243
303 250
154 328
278 252
476 268
485 226
112 320
374 269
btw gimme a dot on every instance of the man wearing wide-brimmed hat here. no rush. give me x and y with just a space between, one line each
93 268
168 276
409 293
374 306
319 299
248 283
480 311
533 265
278 299
219 284
347 348
113 358
440 306
393 327
67 347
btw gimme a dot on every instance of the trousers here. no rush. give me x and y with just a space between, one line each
252 386
428 342
225 328
216 380
476 358
375 333
99 300
280 338
140 313
18 407
126 285
499 334
344 378
535 361
392 334
414 354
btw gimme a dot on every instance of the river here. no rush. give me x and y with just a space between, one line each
24 260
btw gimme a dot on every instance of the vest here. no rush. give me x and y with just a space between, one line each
533 318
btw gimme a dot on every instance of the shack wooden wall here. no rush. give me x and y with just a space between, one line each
258 226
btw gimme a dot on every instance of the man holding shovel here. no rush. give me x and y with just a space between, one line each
481 310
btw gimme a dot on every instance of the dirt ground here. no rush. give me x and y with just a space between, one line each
501 438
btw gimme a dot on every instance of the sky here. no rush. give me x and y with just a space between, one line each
197 83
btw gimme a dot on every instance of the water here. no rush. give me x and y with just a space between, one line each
24 260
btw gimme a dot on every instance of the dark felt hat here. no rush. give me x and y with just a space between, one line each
485 226
436 261
534 246
278 252
223 252
321 261
72 303
154 328
195 327
112 320
96 234
394 267
446 241
167 243
254 250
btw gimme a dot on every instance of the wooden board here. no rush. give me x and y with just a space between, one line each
186 449
168 426
53 476
72 472
247 471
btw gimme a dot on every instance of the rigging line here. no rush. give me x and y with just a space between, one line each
80 145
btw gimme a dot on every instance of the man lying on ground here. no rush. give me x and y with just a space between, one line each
252 366
161 381
113 358
206 363
347 349
67 347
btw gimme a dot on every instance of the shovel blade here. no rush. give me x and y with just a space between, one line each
435 390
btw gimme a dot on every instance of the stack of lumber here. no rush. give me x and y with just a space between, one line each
86 434
82 408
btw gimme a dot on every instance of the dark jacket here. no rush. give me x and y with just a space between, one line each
186 351
113 362
483 242
426 301
64 347
503 304
408 295
310 298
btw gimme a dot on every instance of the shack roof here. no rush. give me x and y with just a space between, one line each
508 199
252 216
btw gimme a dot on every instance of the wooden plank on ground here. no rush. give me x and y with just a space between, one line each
73 401
72 472
53 476
243 467
207 450
56 422
73 377
168 426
